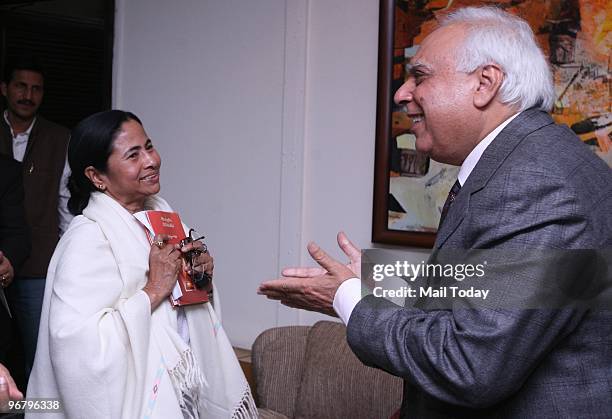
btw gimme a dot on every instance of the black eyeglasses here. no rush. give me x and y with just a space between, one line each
200 279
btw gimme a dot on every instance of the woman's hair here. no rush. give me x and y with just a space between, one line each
91 143
495 36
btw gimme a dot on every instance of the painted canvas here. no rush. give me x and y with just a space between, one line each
574 34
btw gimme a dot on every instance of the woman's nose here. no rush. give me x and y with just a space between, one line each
152 160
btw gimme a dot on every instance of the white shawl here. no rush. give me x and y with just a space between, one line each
100 349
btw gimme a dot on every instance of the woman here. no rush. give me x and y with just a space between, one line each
110 344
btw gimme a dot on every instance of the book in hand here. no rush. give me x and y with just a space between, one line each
169 223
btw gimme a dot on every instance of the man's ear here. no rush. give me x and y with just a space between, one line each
3 88
490 78
96 178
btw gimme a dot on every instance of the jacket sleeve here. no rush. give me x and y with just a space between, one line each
472 358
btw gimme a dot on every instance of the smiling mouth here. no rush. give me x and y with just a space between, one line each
152 176
416 117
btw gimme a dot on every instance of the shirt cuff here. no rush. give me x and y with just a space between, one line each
347 296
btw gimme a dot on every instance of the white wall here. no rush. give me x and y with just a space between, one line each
264 114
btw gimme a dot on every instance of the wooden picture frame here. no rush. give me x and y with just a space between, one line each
380 230
381 233
409 188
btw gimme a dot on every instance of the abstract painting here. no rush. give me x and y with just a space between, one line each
409 187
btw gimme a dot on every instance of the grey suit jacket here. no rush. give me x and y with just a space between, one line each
535 187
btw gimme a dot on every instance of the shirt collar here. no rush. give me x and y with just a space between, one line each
472 159
26 132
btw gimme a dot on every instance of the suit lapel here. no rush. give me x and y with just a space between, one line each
492 158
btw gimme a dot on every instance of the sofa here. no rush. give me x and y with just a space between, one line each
310 372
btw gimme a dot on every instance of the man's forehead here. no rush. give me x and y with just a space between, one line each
29 76
420 59
436 48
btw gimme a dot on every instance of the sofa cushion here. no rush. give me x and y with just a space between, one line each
335 384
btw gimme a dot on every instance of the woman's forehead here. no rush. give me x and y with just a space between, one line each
131 134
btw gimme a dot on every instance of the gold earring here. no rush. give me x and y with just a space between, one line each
101 187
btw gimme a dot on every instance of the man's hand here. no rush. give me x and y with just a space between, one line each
6 271
314 288
8 388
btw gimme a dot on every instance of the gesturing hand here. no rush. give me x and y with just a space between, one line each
164 264
314 288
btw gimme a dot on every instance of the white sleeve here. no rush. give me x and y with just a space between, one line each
64 195
347 296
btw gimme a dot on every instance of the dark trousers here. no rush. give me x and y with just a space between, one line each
25 298
6 332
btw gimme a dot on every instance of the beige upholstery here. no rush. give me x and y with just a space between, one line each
310 372
278 357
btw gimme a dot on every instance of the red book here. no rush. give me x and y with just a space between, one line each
169 223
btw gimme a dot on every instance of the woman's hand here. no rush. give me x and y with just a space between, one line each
202 260
165 260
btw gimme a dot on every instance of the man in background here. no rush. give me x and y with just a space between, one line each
41 146
479 92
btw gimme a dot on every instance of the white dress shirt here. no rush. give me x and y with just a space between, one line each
20 143
349 293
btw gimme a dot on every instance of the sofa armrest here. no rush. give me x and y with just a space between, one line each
278 359
335 384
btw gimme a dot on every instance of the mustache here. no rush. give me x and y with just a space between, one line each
25 102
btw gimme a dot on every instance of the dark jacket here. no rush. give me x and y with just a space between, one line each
42 166
14 234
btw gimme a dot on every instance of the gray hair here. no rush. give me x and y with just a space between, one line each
495 36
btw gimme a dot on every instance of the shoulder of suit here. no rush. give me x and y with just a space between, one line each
555 149
554 155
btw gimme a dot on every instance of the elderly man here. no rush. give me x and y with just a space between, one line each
478 92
